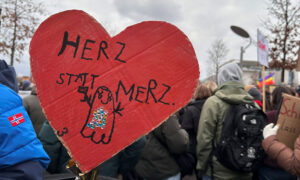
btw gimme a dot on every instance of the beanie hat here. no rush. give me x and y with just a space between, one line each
254 92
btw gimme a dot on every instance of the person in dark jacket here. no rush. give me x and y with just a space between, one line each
190 116
54 148
157 161
21 154
34 110
122 163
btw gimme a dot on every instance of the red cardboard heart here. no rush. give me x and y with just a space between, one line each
102 93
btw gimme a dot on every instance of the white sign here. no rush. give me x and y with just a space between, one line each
262 49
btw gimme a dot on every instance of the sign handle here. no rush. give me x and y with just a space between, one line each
263 89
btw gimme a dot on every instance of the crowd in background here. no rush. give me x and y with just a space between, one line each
181 147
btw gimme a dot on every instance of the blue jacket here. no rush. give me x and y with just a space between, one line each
18 141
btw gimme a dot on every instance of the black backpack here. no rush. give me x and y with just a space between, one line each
240 146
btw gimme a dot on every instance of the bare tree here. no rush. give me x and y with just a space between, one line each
283 24
18 22
216 58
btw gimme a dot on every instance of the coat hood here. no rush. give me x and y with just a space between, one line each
233 93
230 72
8 76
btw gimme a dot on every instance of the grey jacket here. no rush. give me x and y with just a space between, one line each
157 160
34 110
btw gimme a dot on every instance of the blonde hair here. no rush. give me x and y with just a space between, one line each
248 87
202 92
211 85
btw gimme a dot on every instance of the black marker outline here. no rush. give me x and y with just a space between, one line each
121 51
63 132
110 98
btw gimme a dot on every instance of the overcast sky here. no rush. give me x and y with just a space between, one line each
203 21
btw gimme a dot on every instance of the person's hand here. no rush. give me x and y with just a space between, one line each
269 130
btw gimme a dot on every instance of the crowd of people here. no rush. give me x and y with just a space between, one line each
187 144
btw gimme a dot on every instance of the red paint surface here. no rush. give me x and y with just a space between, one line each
153 50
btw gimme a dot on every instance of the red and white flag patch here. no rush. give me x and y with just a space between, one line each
16 119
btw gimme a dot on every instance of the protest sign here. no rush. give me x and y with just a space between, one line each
262 49
102 93
289 120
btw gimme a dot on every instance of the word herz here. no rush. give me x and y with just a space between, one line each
101 50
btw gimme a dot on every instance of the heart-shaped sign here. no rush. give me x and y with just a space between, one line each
102 93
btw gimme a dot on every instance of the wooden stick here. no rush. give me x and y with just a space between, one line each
264 90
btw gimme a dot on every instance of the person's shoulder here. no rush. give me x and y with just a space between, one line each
213 100
29 97
8 94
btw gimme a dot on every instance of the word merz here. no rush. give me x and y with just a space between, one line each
142 94
87 47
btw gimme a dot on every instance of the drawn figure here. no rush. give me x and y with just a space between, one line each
100 122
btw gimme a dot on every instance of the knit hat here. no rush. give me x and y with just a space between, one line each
25 84
254 92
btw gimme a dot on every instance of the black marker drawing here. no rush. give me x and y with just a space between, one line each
63 132
100 121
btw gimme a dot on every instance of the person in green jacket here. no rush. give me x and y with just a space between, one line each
230 91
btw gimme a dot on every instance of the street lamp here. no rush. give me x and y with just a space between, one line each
241 32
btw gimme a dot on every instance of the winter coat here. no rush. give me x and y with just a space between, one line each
34 110
124 162
18 139
190 121
57 152
210 127
285 157
157 160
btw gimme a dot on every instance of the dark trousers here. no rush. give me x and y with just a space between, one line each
29 170
270 173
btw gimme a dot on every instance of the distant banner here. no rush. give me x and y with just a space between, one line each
269 80
262 49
